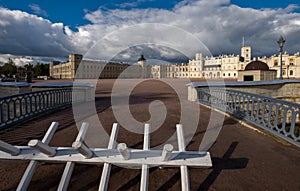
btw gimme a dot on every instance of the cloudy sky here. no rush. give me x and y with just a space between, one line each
159 29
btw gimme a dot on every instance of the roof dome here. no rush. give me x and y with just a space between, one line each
257 65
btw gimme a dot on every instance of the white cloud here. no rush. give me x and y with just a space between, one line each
26 34
217 23
131 4
37 10
23 60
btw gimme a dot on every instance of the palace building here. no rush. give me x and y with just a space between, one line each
76 67
223 66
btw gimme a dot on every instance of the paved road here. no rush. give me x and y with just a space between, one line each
243 159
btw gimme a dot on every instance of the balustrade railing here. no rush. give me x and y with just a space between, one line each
279 117
16 108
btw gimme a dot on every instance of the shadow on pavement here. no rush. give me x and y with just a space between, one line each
224 163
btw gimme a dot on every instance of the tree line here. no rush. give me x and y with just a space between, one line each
10 70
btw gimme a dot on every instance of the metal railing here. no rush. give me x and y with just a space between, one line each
277 116
115 154
16 108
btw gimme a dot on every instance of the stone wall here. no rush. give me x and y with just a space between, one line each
11 88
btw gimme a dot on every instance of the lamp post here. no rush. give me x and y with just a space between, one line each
280 42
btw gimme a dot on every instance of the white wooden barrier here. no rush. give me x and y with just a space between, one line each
114 154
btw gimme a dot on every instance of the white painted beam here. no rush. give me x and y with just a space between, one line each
185 182
42 147
27 176
137 157
145 168
82 149
124 151
8 148
66 177
106 167
167 151
67 174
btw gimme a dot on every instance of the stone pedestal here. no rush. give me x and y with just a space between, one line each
11 88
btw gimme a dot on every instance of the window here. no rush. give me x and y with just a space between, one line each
291 62
275 62
291 72
228 74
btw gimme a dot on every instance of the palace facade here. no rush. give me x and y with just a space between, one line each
76 67
223 66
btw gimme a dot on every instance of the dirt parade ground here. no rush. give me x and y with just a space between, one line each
243 158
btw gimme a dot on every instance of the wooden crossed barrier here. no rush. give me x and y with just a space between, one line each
114 154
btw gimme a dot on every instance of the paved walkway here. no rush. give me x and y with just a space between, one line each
243 159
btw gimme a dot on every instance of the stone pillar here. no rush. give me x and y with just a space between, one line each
192 93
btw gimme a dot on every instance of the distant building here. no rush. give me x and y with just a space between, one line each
66 70
223 66
86 69
256 71
245 57
290 65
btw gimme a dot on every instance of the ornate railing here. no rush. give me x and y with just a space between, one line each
16 108
279 117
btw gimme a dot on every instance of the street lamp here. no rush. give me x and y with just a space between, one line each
280 42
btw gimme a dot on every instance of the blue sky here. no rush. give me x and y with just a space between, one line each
56 28
72 12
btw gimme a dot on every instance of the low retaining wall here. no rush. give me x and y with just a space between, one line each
12 88
288 90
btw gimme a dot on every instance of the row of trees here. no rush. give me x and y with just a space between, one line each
9 69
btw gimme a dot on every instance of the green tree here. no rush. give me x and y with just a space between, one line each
9 68
37 70
41 69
